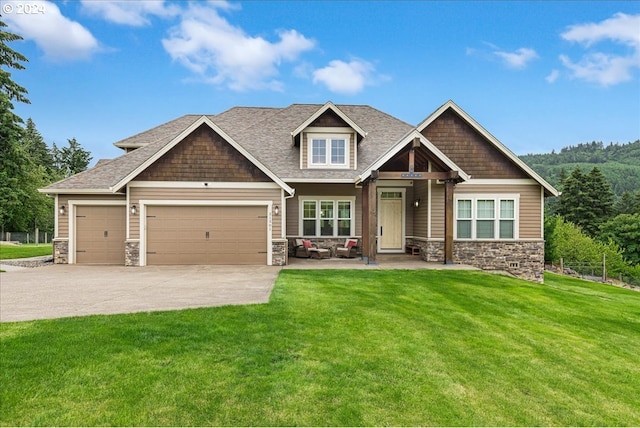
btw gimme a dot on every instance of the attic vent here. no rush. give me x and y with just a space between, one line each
514 265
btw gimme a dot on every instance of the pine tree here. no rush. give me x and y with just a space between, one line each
599 197
36 147
13 160
74 159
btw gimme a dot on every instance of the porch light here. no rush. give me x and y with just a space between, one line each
134 209
276 210
416 203
61 210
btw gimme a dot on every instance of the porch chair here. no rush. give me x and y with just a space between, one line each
349 250
302 248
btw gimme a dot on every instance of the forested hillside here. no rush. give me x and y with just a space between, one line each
619 163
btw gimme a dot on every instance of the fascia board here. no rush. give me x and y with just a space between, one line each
76 191
328 105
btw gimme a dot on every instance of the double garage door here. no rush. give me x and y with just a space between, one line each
176 235
206 235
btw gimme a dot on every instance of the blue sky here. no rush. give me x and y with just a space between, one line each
537 75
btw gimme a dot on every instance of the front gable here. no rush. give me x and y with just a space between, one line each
203 156
328 139
467 148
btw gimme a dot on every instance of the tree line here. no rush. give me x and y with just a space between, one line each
586 221
26 162
619 163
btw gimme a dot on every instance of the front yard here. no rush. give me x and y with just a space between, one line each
341 348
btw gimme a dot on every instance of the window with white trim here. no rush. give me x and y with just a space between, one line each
327 216
486 217
328 151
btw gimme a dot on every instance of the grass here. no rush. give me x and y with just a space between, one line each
341 348
23 251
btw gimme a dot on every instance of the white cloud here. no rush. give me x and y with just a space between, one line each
60 38
553 76
518 59
222 54
605 68
345 78
135 13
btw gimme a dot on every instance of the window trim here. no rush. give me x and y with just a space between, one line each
328 137
496 198
318 200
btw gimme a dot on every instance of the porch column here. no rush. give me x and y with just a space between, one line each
369 222
448 221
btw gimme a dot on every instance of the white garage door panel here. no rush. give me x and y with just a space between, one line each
206 235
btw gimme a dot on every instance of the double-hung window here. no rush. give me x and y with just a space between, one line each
327 216
328 151
486 217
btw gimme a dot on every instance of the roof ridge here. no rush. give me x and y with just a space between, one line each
155 127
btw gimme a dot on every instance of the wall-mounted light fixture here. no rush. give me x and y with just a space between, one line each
276 210
61 210
134 209
416 203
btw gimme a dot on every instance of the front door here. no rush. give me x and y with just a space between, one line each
390 221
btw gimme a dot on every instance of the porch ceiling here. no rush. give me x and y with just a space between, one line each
400 162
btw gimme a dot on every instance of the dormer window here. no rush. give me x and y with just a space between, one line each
328 151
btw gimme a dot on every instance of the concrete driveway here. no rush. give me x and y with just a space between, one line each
57 291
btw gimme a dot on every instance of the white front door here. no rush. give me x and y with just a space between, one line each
390 220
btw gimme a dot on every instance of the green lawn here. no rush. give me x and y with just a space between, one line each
26 250
341 348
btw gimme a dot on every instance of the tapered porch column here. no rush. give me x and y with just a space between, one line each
449 186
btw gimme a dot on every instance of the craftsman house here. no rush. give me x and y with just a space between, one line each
240 187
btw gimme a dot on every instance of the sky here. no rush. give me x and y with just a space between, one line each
538 75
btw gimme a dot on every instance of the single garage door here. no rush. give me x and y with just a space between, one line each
206 235
100 234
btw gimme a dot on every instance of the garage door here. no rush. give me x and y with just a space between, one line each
100 234
198 235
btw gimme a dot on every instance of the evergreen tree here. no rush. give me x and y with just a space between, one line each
626 204
598 200
74 158
586 200
571 202
36 147
13 160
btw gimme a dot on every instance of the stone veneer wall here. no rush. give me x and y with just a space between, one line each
61 251
328 243
132 253
279 252
524 259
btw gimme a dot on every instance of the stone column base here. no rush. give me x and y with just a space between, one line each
132 253
61 251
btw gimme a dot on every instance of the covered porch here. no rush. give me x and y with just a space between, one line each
418 164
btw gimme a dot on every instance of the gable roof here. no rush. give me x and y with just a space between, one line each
263 135
491 139
384 158
328 106
112 176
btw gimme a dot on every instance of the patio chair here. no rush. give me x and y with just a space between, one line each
349 250
302 248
